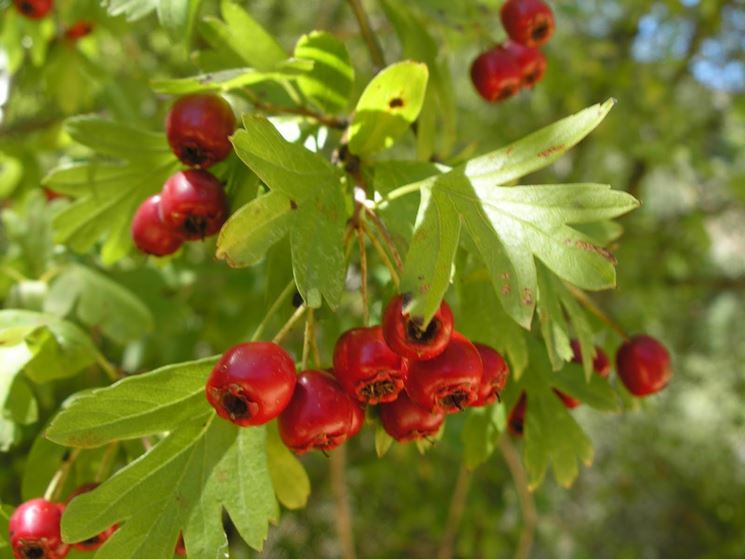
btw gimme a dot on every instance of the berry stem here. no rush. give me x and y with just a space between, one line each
400 192
297 315
373 45
314 340
387 237
54 489
337 466
527 506
306 339
107 367
107 460
363 277
455 513
279 301
381 252
591 306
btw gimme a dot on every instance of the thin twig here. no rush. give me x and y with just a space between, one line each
314 341
107 367
373 45
363 277
527 506
106 460
326 120
387 237
591 306
286 292
54 489
455 513
306 339
337 465
383 255
290 323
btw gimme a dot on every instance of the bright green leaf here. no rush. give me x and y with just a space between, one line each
289 478
329 84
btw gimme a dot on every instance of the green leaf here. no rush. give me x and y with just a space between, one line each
289 478
480 434
131 9
383 441
41 464
554 327
329 84
177 18
116 139
388 106
596 391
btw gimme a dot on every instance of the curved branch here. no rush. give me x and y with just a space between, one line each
530 516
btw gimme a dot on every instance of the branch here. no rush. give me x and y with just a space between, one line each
373 45
527 506
337 464
326 120
455 513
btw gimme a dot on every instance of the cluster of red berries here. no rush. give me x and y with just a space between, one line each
415 374
192 204
38 9
500 72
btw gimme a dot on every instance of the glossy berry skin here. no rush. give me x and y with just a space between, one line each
516 419
449 382
91 544
367 368
495 375
406 421
531 62
528 22
600 365
643 364
251 383
78 30
320 415
34 9
404 336
496 74
193 203
198 128
357 420
35 531
150 234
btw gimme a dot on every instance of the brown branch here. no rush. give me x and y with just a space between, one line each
363 277
455 513
337 465
387 237
326 120
527 506
591 306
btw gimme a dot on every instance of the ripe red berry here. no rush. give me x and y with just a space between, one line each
35 531
180 546
516 420
450 381
358 419
320 415
150 234
495 375
251 383
78 30
405 420
198 129
528 22
643 364
367 368
496 74
91 544
193 203
600 365
405 336
531 62
34 9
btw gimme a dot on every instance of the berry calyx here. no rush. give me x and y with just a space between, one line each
78 30
251 383
496 74
600 365
319 416
495 375
528 22
34 529
34 9
198 128
193 203
91 544
531 62
150 234
516 419
367 368
643 364
406 336
405 420
449 382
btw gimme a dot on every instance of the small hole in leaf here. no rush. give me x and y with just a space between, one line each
396 103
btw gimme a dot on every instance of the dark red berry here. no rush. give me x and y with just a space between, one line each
320 415
34 9
180 546
600 363
198 128
367 368
528 22
91 544
643 364
516 420
358 419
449 382
150 234
405 420
78 30
531 62
193 203
495 376
34 530
251 383
405 335
496 75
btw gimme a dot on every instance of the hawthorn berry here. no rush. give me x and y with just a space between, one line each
180 546
495 375
643 364
449 382
600 365
367 368
34 9
321 415
34 529
516 419
78 30
91 544
198 128
528 22
150 234
405 420
496 74
531 62
357 420
251 383
193 203
405 335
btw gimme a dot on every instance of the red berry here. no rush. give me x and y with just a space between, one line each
495 375
405 336
251 383
91 544
405 420
496 74
34 9
600 363
528 22
516 420
358 419
193 203
450 381
531 62
50 194
180 546
319 416
367 368
78 30
643 364
35 531
150 234
198 129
